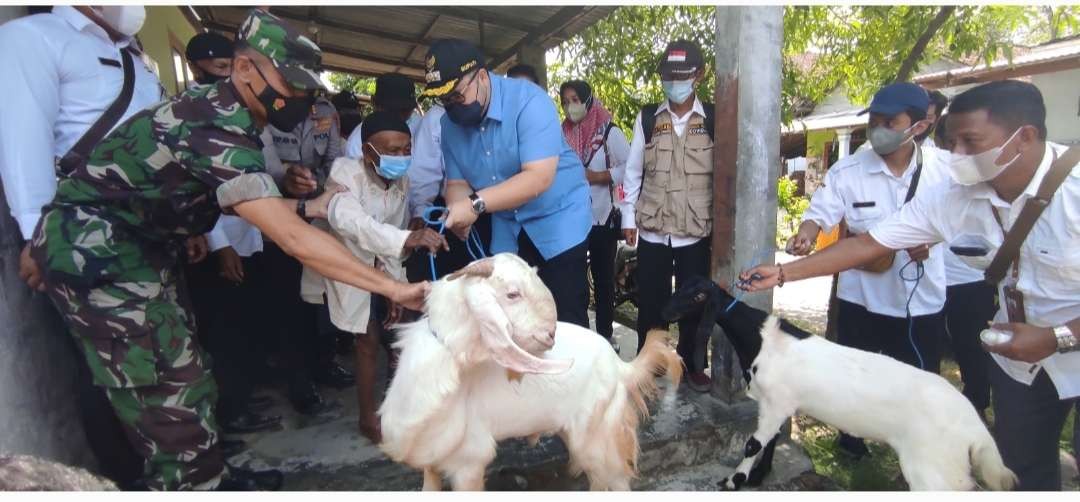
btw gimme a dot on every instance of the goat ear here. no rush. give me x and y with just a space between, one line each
478 268
495 333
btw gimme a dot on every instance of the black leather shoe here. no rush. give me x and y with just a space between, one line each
305 399
243 480
231 447
335 376
249 422
259 403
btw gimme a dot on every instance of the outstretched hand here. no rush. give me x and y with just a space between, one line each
759 278
411 295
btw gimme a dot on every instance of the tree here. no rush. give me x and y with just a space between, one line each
361 86
859 48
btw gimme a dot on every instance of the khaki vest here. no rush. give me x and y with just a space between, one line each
677 185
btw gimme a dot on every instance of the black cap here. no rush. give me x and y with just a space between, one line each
394 91
208 46
382 121
680 60
345 101
447 60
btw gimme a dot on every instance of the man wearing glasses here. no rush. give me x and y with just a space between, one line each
505 155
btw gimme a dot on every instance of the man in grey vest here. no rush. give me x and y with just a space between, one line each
668 198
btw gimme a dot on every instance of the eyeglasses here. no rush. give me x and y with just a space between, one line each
457 97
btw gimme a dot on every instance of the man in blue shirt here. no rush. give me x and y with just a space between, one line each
505 154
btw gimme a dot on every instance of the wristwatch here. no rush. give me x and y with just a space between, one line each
478 205
1066 341
301 208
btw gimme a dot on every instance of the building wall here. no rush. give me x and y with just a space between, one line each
165 29
38 412
1061 93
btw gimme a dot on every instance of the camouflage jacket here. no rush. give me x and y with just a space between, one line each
160 177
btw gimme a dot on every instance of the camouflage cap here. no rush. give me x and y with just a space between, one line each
295 56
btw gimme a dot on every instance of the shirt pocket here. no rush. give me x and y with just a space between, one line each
1056 268
861 217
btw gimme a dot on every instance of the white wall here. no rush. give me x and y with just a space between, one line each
1061 92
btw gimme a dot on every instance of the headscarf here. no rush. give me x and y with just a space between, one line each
587 136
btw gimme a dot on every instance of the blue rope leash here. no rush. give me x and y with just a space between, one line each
473 244
735 285
919 272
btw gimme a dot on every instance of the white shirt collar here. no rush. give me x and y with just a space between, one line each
80 22
878 165
697 108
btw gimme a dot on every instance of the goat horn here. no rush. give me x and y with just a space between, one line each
478 268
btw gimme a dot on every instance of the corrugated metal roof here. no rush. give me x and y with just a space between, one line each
1056 51
370 40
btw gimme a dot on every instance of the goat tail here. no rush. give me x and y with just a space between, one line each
657 358
986 459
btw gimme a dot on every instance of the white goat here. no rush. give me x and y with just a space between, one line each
489 362
935 431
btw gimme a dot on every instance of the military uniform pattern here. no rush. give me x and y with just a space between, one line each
109 246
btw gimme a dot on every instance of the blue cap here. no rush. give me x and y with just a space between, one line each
894 99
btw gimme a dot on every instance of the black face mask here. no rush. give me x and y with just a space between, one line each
283 113
467 115
209 79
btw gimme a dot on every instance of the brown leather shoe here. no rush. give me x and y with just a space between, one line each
699 381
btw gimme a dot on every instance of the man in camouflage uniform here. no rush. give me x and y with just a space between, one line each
108 246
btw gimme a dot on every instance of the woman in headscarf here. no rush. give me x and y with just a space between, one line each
603 150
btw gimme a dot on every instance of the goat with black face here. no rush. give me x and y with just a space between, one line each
935 431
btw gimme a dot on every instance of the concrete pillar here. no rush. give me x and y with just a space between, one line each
747 159
38 405
534 56
843 137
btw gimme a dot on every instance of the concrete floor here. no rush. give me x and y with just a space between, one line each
688 447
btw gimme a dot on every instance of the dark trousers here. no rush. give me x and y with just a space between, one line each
304 347
231 320
564 275
418 266
603 242
968 308
1027 426
656 263
864 330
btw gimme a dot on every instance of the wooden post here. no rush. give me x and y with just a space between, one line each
746 156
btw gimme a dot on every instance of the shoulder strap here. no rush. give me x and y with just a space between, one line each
648 120
915 176
603 143
1033 208
710 119
81 151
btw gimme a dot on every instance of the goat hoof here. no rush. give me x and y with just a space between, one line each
733 483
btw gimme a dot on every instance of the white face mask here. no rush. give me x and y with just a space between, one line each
127 20
575 112
972 169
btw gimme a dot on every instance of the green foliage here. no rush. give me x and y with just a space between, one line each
361 86
857 47
791 211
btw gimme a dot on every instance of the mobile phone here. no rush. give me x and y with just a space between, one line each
968 250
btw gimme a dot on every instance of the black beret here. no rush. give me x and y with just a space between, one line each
208 46
382 121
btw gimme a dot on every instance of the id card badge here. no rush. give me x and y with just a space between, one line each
1014 302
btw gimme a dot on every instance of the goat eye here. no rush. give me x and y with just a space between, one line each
513 295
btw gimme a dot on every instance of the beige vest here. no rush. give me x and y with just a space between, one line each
676 189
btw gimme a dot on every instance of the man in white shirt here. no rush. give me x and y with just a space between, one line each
62 71
1000 158
669 199
893 308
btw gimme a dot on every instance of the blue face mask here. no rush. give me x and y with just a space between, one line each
678 90
391 167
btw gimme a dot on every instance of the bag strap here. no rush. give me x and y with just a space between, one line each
80 153
648 120
603 144
1033 208
915 176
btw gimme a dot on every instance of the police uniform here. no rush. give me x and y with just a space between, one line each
109 247
309 147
